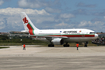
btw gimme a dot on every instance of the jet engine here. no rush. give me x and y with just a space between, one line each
58 41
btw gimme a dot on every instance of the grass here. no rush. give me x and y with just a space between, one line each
18 44
4 47
10 44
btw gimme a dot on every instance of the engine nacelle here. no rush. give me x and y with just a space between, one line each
57 41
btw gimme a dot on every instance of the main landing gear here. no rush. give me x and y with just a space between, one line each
66 45
50 45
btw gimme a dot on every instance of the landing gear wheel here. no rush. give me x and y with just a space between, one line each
51 45
66 45
85 44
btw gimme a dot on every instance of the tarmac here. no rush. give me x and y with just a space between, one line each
36 57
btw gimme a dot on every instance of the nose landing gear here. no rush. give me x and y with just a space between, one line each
85 45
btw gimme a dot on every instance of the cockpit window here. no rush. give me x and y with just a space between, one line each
92 32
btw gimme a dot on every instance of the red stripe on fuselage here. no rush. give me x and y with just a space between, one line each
74 35
89 35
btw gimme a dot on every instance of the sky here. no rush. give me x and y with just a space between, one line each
53 14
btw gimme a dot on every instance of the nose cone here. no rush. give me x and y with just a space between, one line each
96 35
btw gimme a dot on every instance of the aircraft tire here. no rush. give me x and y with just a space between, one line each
66 45
50 45
86 44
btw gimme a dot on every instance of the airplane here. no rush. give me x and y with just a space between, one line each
59 36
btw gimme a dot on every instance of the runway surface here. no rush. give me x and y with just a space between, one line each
52 58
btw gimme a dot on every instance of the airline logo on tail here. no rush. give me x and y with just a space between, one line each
25 20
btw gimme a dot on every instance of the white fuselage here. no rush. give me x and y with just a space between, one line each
71 35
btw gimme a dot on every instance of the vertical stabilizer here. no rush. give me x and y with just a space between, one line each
28 25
